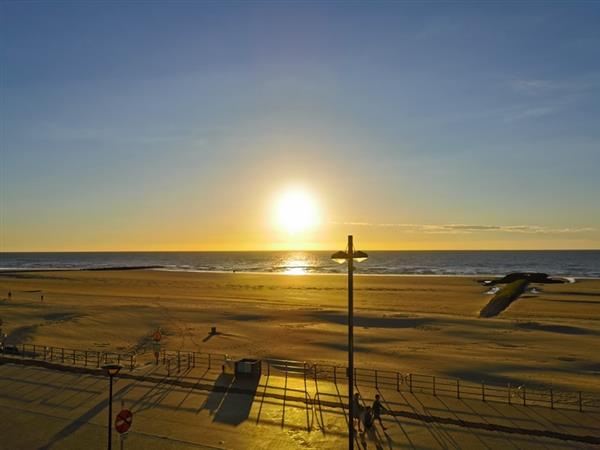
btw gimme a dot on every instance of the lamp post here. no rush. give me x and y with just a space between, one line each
350 255
112 370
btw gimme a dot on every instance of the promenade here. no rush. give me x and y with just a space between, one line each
200 408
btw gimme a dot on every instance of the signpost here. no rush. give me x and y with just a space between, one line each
157 336
123 423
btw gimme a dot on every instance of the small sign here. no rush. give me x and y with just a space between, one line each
123 421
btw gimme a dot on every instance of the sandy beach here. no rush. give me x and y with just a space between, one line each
426 325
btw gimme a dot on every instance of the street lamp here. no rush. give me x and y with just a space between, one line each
350 256
112 370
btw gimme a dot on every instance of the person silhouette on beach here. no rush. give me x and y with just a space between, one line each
377 410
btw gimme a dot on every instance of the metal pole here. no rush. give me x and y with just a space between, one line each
110 392
350 344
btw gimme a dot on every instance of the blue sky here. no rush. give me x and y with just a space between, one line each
171 125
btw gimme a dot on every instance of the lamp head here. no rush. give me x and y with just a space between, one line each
340 257
359 256
112 369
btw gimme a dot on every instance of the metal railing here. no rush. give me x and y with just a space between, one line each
69 356
177 361
405 382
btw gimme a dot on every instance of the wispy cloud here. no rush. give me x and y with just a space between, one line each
527 111
457 228
542 97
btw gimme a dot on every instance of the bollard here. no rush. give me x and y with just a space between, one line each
410 382
483 391
434 387
457 388
551 399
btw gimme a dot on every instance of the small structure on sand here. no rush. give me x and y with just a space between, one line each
515 285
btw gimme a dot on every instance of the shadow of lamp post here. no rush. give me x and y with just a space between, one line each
350 256
112 370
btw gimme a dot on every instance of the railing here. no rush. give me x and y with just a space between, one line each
178 361
405 382
70 356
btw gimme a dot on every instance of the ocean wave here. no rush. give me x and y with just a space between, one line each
568 264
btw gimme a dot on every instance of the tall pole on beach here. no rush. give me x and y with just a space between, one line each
349 256
350 343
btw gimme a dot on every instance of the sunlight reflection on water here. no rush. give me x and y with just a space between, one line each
297 264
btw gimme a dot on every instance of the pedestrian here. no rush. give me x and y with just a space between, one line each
368 419
9 295
378 409
357 411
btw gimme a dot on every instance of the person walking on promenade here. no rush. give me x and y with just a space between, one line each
368 419
357 411
378 409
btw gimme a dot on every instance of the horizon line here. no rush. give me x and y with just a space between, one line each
312 250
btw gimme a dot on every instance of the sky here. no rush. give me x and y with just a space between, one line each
411 125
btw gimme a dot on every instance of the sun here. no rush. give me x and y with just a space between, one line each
296 211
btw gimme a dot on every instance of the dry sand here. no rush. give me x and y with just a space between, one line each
426 325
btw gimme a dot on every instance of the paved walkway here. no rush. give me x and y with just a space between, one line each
204 409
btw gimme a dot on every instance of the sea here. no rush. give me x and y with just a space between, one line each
571 263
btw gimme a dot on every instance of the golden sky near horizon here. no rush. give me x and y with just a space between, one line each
295 217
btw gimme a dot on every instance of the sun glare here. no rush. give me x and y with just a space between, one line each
296 211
